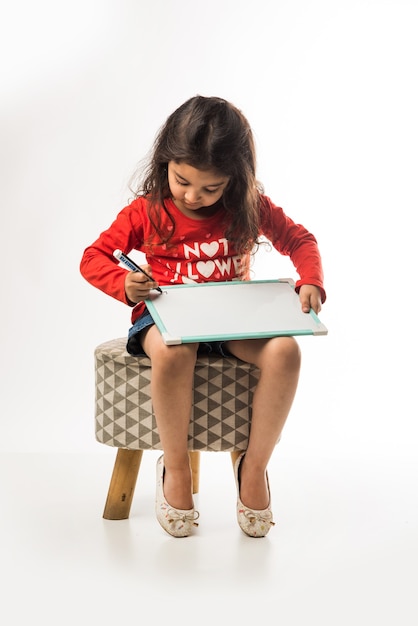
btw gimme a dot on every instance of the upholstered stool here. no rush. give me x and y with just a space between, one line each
220 420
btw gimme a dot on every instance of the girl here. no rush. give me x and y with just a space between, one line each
198 214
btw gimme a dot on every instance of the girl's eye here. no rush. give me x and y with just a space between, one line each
183 184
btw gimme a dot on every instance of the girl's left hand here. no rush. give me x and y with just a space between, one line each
310 298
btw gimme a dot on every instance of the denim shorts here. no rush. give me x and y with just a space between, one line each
145 320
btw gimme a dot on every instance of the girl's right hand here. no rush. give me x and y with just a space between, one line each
137 285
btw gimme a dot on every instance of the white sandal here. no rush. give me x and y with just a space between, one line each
253 522
177 522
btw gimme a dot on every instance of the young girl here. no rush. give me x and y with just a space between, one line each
198 214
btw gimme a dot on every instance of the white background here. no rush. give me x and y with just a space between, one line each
330 89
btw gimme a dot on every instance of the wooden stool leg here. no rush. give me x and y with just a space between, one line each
195 465
234 455
122 484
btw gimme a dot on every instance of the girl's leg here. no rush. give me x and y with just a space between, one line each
171 391
278 360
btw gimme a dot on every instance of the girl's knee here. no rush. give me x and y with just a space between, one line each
291 347
175 358
284 351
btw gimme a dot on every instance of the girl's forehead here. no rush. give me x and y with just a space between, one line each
206 176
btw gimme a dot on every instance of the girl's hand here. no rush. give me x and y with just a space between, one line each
310 297
137 285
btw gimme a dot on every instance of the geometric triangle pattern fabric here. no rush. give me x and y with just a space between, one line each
124 417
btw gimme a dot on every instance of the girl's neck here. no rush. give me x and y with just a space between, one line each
201 214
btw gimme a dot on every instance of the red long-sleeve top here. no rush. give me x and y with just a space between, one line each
197 252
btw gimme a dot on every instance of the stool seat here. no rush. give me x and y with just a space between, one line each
220 419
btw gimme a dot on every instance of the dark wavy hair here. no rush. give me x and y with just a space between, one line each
208 133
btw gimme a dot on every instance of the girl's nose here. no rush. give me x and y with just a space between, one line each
191 196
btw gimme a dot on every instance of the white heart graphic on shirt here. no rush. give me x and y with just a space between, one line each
206 268
210 249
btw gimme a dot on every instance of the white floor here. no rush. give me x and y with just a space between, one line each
344 550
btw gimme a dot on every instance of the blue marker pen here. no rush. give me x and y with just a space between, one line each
123 258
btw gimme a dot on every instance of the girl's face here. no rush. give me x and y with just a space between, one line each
194 191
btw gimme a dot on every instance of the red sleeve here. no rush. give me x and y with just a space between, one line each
294 241
98 265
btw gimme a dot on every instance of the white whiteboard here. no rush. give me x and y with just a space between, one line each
231 310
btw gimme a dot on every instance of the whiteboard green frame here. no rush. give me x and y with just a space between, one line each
221 311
